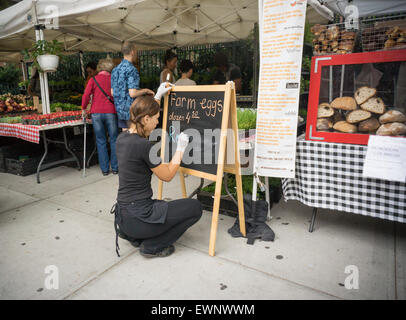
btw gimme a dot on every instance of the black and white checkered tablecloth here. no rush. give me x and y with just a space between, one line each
329 176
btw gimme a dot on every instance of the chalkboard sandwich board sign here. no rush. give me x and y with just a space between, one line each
208 114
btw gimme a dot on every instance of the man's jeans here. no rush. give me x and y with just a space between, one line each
101 122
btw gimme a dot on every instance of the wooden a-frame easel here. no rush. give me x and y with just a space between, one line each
229 120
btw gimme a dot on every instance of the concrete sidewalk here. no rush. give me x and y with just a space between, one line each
65 222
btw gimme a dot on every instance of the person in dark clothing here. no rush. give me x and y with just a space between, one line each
153 225
91 70
226 71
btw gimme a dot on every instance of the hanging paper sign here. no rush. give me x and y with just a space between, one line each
281 35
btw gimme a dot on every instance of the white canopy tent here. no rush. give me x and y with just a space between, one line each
367 7
91 25
102 25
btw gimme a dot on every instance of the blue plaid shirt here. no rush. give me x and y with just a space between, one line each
124 77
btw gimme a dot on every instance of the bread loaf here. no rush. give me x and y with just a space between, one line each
344 126
389 43
346 47
347 35
324 124
324 110
334 44
369 125
392 116
344 103
332 33
374 105
363 94
358 116
317 28
392 129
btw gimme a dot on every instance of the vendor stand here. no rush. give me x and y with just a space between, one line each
32 134
352 97
329 176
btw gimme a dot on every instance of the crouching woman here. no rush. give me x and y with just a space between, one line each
154 225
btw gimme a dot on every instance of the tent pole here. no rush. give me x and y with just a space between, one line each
41 75
43 78
44 95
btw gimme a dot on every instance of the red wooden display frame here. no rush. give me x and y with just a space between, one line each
315 80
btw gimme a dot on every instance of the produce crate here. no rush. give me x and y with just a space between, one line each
14 150
28 166
5 152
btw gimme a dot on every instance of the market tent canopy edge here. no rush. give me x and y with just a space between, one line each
103 25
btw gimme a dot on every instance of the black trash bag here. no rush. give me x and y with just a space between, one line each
255 221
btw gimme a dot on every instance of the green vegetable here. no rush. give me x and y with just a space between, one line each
247 119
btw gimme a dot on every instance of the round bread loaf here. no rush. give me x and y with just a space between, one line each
389 43
344 126
392 116
344 103
324 110
363 94
374 104
369 125
392 129
358 116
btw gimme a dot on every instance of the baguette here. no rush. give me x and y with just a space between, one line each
358 116
344 103
392 129
363 94
324 110
344 126
392 116
374 105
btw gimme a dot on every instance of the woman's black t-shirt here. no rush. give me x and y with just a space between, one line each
134 165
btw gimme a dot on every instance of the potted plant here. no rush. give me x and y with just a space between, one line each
44 54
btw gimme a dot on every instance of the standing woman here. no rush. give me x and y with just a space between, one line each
104 115
154 225
170 61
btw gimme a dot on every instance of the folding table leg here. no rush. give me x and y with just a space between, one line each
313 220
44 156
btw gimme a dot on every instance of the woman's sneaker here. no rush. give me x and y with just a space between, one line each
163 253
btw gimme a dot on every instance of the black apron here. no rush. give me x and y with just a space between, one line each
146 210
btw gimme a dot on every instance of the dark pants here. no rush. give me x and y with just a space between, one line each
182 214
101 123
